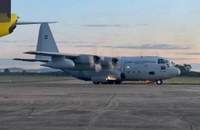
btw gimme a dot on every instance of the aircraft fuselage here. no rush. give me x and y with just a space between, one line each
133 68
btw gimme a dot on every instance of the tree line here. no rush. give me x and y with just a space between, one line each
185 71
7 72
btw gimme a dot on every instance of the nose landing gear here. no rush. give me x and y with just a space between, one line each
159 81
96 82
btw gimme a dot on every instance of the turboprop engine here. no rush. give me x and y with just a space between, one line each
87 59
108 61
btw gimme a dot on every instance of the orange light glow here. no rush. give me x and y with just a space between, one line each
111 78
148 81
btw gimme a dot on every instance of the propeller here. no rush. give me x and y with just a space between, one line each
98 61
94 62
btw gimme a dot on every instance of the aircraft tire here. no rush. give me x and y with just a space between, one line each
118 82
96 82
110 82
159 82
103 82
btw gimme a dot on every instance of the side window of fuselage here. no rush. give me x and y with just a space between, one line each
151 73
163 68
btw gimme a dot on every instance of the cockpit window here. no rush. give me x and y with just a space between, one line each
167 61
161 61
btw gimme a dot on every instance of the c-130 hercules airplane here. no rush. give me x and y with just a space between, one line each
106 70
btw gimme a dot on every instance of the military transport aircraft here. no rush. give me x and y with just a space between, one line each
8 21
104 70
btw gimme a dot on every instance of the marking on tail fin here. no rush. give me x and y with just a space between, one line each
45 36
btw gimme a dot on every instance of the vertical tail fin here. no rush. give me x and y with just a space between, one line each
46 41
5 10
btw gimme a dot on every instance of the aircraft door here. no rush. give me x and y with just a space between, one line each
163 70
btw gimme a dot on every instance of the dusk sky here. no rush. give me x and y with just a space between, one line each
167 28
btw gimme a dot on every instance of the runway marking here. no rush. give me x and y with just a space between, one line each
192 90
191 123
31 111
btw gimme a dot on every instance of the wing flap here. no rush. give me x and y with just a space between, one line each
26 23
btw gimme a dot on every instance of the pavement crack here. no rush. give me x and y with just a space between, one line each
191 122
92 122
110 100
31 111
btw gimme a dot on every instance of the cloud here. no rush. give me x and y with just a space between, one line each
115 25
32 46
16 41
142 24
180 59
144 46
193 53
108 25
88 46
152 46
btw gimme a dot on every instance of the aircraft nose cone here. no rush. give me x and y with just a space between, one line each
178 71
174 71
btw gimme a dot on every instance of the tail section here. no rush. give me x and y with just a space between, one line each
46 42
5 10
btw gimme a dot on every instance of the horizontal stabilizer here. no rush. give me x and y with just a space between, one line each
53 54
31 60
25 23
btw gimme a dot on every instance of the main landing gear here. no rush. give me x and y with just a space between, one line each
109 82
159 81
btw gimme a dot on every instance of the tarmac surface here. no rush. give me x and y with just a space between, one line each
77 105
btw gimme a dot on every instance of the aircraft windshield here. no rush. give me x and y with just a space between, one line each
167 61
161 61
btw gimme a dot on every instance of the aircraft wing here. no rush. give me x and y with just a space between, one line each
25 23
68 56
31 60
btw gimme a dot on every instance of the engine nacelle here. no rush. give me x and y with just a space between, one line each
116 75
60 64
87 59
99 78
108 61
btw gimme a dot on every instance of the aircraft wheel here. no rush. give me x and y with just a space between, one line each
96 82
118 82
159 82
103 82
110 82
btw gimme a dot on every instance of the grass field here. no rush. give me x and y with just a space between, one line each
176 80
